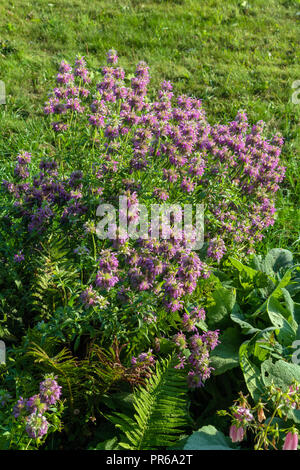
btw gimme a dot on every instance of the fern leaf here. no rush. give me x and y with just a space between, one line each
160 410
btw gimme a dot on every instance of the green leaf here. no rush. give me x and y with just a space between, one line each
166 346
5 439
257 262
294 415
294 285
297 312
277 292
207 438
226 355
250 277
119 401
238 317
282 374
221 306
286 333
241 267
276 259
109 444
18 283
251 372
289 303
262 349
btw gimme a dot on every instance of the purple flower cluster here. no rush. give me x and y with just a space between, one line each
47 194
194 350
21 169
36 404
144 362
4 397
50 391
234 165
216 249
106 277
89 297
19 257
19 407
36 425
67 97
112 57
168 267
32 410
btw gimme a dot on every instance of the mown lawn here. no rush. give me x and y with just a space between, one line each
233 55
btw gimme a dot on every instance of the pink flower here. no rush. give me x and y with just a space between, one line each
242 413
291 441
236 434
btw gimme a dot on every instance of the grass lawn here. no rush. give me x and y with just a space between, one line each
233 55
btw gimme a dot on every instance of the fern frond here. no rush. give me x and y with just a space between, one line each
53 277
63 364
89 377
161 410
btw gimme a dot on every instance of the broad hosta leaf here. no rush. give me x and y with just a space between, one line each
262 349
282 374
226 355
207 438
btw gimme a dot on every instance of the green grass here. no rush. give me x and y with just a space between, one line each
233 55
